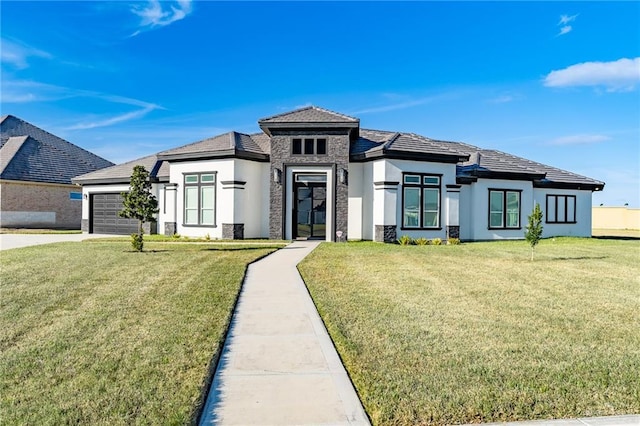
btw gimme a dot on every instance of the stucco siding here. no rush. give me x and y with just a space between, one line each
40 205
356 200
254 198
582 227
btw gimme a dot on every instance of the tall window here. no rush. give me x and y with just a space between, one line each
421 201
504 208
561 209
309 146
200 199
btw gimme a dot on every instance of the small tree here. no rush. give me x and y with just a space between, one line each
139 203
533 233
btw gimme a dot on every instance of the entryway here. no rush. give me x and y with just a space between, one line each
309 206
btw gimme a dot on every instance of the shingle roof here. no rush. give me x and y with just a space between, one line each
377 143
121 173
310 114
228 144
29 153
492 163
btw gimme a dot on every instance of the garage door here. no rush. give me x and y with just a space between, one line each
104 215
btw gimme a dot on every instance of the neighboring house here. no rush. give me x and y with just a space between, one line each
36 168
314 173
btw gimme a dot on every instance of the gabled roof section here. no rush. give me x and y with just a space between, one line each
378 143
121 173
232 144
311 117
29 153
488 163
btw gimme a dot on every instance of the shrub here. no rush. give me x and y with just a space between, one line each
176 235
405 240
137 242
421 241
207 237
453 241
436 241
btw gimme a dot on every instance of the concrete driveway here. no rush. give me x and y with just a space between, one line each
10 241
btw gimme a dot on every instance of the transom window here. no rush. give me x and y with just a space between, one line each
504 209
200 199
309 146
561 209
421 201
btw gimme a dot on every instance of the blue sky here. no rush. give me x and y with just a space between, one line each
555 82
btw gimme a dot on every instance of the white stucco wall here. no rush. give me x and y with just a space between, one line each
225 171
582 227
478 211
391 170
253 209
356 201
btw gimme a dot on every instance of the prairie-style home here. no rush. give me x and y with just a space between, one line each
315 173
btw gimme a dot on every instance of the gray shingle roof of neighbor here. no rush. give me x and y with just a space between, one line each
29 153
231 144
121 173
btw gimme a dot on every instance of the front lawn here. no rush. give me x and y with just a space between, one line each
93 333
479 333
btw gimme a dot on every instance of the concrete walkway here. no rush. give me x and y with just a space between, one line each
278 365
10 241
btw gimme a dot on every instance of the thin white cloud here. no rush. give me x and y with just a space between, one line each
113 120
615 76
17 54
565 19
410 103
156 14
565 28
581 139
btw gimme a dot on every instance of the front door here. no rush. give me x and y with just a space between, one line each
310 206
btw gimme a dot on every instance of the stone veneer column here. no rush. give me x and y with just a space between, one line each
169 209
453 211
385 202
235 230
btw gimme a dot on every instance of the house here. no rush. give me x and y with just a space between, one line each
36 168
315 173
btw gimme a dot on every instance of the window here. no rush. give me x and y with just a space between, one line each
199 199
309 146
504 209
561 209
421 201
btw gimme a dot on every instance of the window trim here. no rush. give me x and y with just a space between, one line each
199 185
504 209
566 210
421 186
303 146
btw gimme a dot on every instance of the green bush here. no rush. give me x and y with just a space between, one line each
405 240
436 241
137 242
421 241
176 235
453 241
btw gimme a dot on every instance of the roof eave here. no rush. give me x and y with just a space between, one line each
408 155
267 126
583 186
227 153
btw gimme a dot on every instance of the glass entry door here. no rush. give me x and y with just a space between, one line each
310 206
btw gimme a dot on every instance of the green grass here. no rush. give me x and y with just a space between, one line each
479 333
181 239
97 334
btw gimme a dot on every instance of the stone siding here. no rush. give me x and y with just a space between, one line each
386 233
233 231
281 157
453 232
39 205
